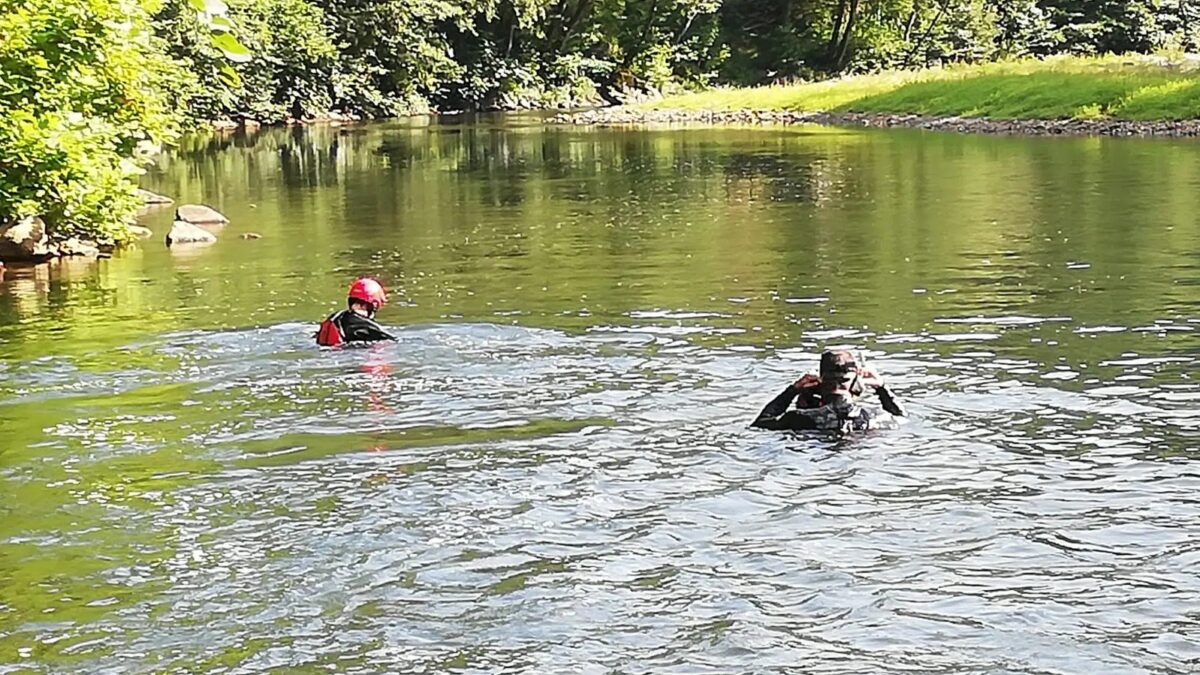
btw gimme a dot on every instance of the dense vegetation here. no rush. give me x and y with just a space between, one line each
87 87
83 92
383 57
87 95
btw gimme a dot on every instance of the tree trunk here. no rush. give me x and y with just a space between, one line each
686 27
511 18
643 37
572 23
920 43
836 36
555 21
847 33
911 23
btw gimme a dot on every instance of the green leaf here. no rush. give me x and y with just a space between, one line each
234 51
228 75
221 24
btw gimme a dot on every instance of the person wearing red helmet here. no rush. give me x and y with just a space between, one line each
356 324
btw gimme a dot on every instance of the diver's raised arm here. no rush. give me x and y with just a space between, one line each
889 402
886 398
771 416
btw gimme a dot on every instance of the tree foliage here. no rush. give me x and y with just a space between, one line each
87 85
385 57
84 94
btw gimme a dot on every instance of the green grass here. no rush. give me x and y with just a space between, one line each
1124 87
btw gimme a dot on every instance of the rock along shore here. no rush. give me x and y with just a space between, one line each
969 125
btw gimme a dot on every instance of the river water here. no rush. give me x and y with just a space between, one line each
551 470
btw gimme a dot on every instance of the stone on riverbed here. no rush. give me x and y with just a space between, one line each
152 198
25 240
187 233
139 232
78 247
198 214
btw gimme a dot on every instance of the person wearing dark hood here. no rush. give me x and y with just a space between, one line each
831 400
356 323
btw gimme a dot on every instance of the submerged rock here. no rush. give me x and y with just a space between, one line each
78 247
139 232
187 233
25 240
153 198
198 214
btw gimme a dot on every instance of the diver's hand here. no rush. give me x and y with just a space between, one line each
869 378
807 382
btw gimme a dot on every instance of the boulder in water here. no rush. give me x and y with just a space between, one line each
187 233
153 198
139 232
79 247
198 214
25 239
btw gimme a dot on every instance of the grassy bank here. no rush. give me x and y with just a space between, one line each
1132 88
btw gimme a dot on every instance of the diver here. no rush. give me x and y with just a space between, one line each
831 400
356 324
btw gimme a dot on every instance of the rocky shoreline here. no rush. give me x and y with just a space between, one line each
607 117
522 101
250 124
30 242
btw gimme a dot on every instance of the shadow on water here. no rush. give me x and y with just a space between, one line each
551 469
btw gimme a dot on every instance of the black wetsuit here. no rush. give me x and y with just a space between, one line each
812 413
349 326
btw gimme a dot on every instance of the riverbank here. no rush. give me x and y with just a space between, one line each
515 103
975 125
1116 96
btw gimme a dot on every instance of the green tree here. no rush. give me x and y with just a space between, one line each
394 53
1107 26
396 56
1023 28
85 92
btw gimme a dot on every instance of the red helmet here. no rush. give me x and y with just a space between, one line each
368 291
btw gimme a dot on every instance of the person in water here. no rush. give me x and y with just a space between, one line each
356 324
832 400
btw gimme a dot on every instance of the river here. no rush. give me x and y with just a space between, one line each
550 471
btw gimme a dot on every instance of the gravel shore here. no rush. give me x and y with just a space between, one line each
973 125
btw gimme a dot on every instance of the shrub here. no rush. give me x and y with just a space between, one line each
84 90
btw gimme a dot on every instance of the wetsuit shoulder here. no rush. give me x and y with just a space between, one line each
358 328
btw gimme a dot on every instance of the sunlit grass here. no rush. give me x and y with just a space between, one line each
1128 87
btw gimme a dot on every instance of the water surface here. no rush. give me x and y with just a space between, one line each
550 471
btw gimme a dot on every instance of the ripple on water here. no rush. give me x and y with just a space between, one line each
482 498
